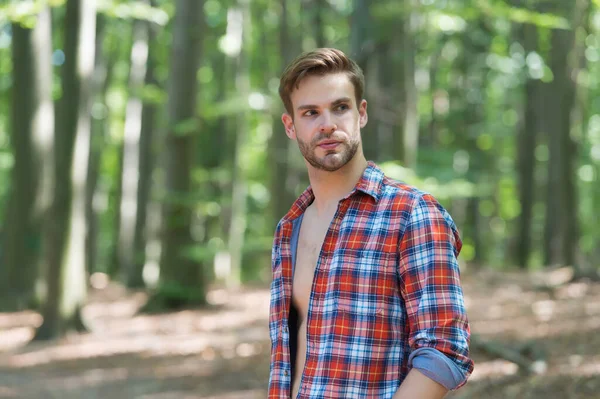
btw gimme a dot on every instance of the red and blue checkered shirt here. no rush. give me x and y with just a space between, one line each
386 284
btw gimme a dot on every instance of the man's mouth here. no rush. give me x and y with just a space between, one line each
329 144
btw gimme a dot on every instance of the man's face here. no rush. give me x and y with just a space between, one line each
326 121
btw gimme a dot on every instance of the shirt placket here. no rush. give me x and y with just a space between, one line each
285 305
317 296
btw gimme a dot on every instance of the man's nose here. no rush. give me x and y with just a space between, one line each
328 126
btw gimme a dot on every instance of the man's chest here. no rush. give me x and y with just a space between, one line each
351 266
349 262
310 242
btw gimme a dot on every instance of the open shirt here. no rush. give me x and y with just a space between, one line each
386 296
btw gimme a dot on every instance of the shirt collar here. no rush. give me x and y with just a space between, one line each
369 183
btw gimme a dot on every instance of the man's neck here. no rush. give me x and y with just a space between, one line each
330 187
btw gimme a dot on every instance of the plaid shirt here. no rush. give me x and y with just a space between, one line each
386 283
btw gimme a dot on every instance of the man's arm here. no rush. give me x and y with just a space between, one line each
417 386
430 286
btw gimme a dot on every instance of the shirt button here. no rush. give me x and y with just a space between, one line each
286 373
285 329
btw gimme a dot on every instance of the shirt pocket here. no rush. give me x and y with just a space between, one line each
362 286
364 278
363 306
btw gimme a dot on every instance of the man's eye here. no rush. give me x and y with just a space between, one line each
310 113
342 107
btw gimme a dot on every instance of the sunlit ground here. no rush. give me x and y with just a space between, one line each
222 352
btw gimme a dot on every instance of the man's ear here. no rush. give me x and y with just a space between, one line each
288 123
363 118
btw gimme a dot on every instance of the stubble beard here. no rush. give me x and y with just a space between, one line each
333 159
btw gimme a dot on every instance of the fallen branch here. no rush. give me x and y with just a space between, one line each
513 355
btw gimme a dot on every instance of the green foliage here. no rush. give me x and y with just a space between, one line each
186 127
450 16
171 296
444 191
153 95
24 11
205 253
471 69
135 10
499 9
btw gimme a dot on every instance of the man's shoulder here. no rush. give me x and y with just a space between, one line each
400 193
409 198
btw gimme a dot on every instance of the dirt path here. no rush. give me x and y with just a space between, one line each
222 352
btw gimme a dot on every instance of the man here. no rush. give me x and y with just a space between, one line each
366 300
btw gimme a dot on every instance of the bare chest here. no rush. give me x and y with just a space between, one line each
310 241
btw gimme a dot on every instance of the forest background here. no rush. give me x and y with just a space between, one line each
142 156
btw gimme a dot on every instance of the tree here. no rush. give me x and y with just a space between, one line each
103 70
130 208
239 27
181 280
319 8
279 144
362 47
410 128
146 167
31 180
561 230
66 270
526 152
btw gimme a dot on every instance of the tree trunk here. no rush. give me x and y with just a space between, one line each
385 101
319 9
181 280
526 158
561 230
481 164
146 167
215 155
360 24
433 139
578 116
279 143
67 283
473 219
398 82
131 152
411 112
237 227
555 198
113 263
361 50
31 178
101 81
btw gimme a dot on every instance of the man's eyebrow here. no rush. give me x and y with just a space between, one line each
335 102
341 100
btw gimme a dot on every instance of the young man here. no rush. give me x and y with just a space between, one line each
366 300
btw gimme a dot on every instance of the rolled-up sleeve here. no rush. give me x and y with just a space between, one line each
430 286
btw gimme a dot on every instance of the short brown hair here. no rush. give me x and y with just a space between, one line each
320 61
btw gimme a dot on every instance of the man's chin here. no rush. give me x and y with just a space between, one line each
329 166
332 161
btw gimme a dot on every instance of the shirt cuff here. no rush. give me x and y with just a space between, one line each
437 366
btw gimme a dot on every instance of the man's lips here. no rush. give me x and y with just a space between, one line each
329 144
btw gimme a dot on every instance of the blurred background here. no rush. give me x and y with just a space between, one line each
144 167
